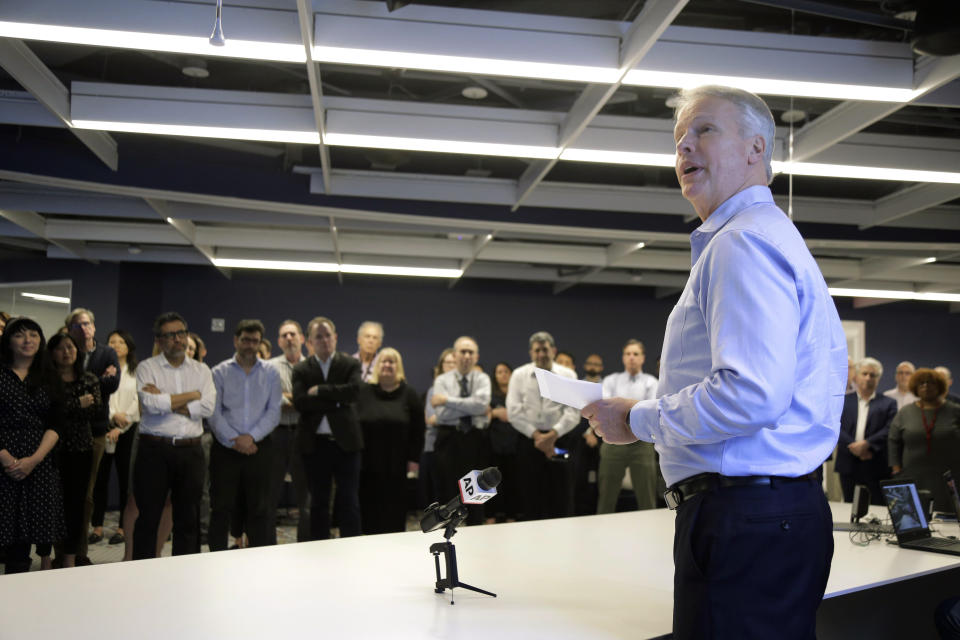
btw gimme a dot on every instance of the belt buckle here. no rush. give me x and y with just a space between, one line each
673 498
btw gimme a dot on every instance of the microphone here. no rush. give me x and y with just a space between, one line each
475 488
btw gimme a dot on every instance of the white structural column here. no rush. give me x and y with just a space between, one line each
305 13
27 69
653 19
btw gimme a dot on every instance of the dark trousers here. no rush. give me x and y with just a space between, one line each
865 475
751 562
458 453
382 505
16 558
329 463
947 619
546 484
287 459
231 474
74 477
162 468
121 458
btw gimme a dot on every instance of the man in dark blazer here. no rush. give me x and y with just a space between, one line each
864 424
325 390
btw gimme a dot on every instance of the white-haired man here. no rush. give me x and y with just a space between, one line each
751 386
901 393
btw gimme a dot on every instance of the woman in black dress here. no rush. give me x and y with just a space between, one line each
391 416
78 391
31 503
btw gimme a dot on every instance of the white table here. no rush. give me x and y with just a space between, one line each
593 577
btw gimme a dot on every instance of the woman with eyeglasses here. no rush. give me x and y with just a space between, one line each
924 439
78 392
31 502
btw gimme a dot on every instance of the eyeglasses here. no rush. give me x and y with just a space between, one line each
250 340
170 335
81 325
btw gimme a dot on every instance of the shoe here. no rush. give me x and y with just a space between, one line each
83 561
94 538
117 538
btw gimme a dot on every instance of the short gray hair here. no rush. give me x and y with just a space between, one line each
370 323
542 336
870 362
755 116
946 372
909 364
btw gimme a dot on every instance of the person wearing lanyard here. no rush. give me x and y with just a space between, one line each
752 377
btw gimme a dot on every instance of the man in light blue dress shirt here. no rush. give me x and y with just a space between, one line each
752 377
249 397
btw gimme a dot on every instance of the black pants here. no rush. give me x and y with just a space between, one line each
287 459
947 619
120 457
75 478
546 484
231 474
16 558
327 463
383 508
458 453
751 562
162 468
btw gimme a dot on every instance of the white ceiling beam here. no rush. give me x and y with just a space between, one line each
36 224
852 116
648 26
185 228
305 18
478 246
155 254
615 254
911 200
27 69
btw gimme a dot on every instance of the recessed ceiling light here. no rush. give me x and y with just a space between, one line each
134 250
195 68
792 116
474 93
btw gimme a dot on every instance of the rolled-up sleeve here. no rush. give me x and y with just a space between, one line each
749 301
205 406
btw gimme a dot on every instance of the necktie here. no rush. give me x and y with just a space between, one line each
466 422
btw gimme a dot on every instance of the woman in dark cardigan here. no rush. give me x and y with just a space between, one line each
391 416
78 391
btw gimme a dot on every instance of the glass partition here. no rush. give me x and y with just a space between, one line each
47 302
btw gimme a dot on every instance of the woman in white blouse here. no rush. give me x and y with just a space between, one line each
124 417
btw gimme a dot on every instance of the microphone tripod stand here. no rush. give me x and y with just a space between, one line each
450 558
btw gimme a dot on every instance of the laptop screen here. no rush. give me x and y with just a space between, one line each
905 509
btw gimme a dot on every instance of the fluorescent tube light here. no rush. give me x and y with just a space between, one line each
619 157
465 65
864 173
770 86
332 267
443 146
45 298
230 133
894 295
199 45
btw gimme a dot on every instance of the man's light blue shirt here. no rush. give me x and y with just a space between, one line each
754 361
247 403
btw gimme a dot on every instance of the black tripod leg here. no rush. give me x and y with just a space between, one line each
466 586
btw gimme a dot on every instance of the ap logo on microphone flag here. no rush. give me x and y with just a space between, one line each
471 492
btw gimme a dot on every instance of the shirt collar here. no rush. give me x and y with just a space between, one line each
739 201
236 362
868 400
328 360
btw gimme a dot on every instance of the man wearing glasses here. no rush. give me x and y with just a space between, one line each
101 361
176 394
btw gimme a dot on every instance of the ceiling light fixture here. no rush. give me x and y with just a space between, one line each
443 146
894 295
233 48
770 86
333 267
42 297
231 133
216 38
619 157
864 173
465 65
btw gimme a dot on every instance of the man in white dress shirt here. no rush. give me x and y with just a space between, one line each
639 456
176 394
546 475
461 398
901 392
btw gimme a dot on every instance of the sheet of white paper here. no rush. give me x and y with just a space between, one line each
573 393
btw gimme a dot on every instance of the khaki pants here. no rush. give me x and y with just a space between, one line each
615 459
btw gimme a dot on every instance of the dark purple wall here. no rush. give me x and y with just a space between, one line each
422 316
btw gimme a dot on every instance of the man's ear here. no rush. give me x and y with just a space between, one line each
757 148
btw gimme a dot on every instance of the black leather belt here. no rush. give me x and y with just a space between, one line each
686 489
172 441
